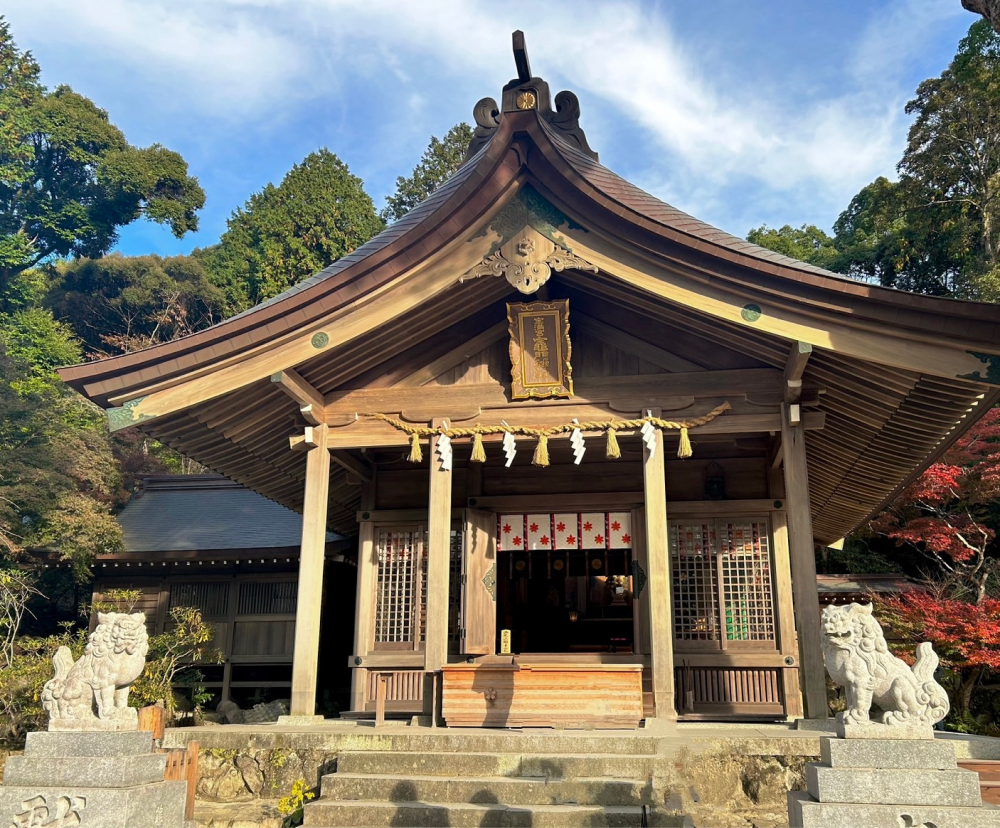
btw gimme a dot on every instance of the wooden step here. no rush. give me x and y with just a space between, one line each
989 777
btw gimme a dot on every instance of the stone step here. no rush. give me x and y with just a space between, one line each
88 743
882 786
375 814
554 766
85 772
805 812
481 740
510 791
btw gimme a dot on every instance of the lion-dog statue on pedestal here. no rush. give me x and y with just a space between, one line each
858 660
92 694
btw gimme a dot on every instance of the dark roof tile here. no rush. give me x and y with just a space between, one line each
197 515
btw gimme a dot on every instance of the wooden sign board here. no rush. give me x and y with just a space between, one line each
540 350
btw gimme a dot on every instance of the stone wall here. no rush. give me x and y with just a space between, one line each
230 775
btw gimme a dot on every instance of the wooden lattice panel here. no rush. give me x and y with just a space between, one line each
694 576
399 588
267 598
211 597
400 686
729 690
745 560
721 580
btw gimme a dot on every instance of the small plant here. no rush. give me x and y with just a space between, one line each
290 807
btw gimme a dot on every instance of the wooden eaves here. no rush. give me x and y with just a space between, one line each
898 376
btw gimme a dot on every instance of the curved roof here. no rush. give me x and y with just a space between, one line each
556 168
903 374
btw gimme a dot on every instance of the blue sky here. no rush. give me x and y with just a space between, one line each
741 113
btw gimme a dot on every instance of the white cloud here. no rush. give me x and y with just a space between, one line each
704 137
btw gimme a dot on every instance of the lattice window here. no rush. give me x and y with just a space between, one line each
267 597
721 580
400 588
746 581
694 571
211 597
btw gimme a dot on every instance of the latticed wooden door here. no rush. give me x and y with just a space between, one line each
721 580
400 585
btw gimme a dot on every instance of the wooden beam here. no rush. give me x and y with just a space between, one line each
803 568
457 356
795 366
644 390
305 658
348 461
661 639
309 399
438 560
371 433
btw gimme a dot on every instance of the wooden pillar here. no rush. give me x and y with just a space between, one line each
364 610
803 566
438 560
305 659
661 638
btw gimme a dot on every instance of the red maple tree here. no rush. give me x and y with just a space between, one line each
949 516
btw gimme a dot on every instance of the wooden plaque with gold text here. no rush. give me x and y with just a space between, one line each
540 349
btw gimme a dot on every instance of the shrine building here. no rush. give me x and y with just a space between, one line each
583 444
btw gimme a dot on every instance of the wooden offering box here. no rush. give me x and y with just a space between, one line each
542 695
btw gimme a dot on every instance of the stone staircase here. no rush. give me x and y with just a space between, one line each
506 780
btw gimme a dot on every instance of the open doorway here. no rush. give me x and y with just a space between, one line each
564 582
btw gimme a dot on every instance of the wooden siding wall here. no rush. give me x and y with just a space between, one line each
253 616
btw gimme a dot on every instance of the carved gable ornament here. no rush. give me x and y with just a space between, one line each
529 248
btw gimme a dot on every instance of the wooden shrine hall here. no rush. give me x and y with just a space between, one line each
586 443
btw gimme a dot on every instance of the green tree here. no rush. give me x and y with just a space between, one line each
58 478
118 304
439 162
806 243
284 234
68 177
937 229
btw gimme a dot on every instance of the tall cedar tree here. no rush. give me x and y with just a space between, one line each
937 229
68 177
287 233
950 517
438 163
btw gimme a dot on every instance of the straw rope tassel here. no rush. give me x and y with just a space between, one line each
613 452
478 452
416 455
684 446
541 457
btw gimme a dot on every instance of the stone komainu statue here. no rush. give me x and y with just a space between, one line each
858 660
97 685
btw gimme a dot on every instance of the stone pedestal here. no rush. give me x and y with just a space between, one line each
891 782
90 780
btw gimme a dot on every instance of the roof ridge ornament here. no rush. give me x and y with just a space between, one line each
528 92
